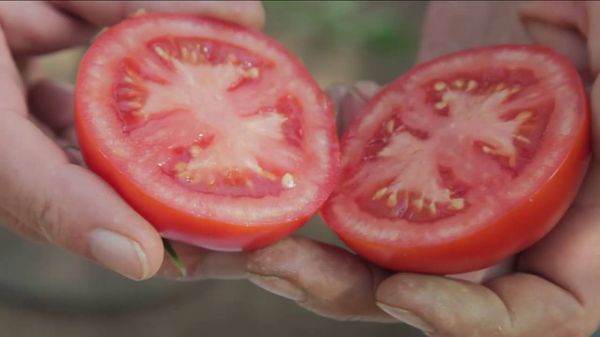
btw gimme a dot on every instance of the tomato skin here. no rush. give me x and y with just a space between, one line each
180 225
517 229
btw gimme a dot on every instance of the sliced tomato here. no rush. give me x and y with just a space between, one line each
463 161
214 133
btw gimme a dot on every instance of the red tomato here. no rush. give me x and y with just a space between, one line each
463 161
215 134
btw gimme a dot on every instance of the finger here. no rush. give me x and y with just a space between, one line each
202 264
480 276
64 204
593 32
51 102
322 278
349 101
559 25
517 305
37 27
595 107
104 13
452 26
40 27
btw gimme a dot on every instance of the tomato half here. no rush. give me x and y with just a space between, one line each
463 161
214 133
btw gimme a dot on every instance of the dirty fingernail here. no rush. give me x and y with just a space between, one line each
278 286
406 317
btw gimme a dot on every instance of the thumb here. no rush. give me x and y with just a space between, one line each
45 197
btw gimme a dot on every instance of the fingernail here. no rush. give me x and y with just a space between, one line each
119 253
406 317
278 286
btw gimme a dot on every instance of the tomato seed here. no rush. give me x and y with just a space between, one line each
390 126
432 207
523 116
458 203
472 85
392 200
195 150
522 138
459 83
439 86
184 53
441 105
418 203
162 53
380 193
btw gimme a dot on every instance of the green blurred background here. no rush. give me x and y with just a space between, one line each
46 292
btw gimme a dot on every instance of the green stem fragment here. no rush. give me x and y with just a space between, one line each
174 257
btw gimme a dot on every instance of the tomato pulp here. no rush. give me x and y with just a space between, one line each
214 133
463 161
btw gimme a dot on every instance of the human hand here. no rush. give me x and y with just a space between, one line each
46 196
553 289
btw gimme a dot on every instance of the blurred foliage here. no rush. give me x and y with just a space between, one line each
348 40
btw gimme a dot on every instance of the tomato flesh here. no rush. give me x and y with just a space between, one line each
214 125
461 147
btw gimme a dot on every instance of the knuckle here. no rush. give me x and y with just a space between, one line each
47 219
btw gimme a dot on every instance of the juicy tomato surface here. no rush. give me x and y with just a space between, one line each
214 133
463 161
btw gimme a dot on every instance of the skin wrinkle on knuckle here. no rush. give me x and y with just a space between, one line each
47 220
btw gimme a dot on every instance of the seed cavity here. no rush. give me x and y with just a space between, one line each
287 180
459 83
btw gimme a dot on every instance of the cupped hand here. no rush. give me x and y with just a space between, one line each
553 288
46 195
